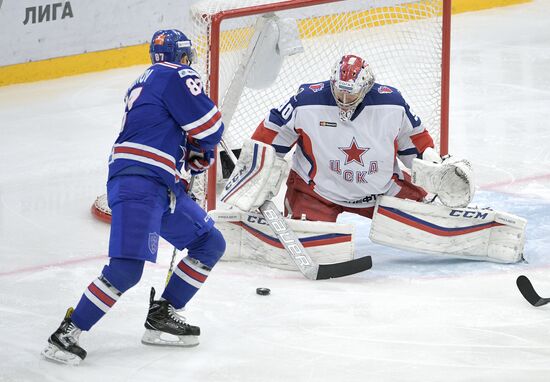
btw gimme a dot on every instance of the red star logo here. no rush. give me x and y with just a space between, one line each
354 152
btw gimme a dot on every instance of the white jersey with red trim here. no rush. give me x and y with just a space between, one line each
347 162
165 107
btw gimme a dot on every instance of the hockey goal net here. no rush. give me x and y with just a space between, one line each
405 42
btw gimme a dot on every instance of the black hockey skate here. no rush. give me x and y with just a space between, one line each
164 326
63 343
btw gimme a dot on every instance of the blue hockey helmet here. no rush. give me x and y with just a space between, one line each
170 45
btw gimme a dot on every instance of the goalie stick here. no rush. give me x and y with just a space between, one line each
527 290
296 250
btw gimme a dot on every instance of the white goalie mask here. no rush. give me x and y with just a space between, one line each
350 81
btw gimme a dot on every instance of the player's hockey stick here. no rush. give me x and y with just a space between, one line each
171 269
527 290
299 255
309 268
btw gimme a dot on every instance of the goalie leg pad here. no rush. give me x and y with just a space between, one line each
478 234
249 238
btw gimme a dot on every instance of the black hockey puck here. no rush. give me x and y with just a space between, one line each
263 291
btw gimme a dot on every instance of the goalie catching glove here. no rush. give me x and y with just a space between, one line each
451 179
257 176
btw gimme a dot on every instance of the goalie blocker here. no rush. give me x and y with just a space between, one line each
477 234
257 177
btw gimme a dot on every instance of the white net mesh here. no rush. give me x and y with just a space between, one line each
198 189
402 40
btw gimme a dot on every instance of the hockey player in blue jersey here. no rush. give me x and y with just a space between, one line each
168 122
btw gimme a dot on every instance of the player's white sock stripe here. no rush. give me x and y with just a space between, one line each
96 301
188 279
108 290
192 264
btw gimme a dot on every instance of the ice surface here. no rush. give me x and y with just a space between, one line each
411 318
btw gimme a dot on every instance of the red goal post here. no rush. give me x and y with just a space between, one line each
406 42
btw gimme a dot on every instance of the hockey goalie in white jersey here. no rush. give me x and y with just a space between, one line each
353 137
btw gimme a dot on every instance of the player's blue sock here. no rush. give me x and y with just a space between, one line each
115 279
189 275
191 272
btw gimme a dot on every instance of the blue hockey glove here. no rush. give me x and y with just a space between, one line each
197 160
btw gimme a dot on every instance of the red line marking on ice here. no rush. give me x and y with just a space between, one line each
495 185
46 266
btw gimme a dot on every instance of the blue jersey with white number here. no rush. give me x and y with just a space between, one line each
165 108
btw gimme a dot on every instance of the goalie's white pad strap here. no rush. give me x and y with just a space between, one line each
479 234
249 238
257 176
452 179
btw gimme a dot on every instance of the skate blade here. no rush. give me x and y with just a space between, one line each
54 354
155 337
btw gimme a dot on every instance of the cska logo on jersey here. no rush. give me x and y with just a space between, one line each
354 153
384 90
317 87
159 40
